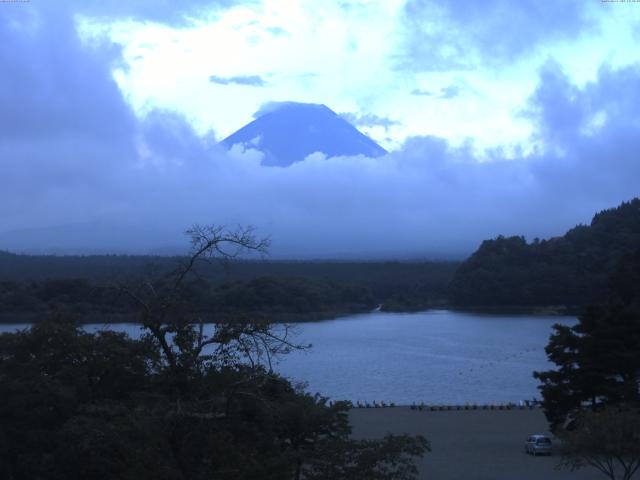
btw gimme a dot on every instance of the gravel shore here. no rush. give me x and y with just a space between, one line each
470 444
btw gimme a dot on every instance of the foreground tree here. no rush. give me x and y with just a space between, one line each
592 399
598 363
608 440
183 402
598 359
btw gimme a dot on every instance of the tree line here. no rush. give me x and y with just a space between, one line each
572 270
285 291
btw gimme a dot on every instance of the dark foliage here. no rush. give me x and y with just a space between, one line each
598 359
275 297
592 399
283 291
178 404
572 270
102 406
598 363
607 440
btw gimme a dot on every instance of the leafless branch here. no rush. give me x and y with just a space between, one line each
210 241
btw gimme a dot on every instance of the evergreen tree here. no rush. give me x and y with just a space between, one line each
592 401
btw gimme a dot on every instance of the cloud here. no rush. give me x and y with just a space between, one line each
74 153
63 124
369 120
451 91
445 93
168 12
462 34
248 80
269 107
277 31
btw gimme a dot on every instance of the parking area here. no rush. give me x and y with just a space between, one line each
470 444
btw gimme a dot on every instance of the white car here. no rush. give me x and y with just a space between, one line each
538 445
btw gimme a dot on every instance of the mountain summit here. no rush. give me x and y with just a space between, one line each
288 132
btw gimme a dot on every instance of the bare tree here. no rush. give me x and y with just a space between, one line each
181 335
202 403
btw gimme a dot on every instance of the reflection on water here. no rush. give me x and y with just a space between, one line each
435 356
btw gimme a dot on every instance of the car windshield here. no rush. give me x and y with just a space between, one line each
543 441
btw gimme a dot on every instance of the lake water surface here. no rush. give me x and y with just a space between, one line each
432 357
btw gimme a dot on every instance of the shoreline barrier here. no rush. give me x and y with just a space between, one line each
523 405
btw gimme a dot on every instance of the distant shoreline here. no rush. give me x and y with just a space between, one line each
290 317
534 310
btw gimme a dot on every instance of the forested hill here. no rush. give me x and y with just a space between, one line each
572 270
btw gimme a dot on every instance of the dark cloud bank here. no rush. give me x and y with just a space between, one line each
73 153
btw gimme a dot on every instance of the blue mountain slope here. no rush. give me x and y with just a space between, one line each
290 132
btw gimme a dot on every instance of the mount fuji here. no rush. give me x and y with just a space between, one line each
288 132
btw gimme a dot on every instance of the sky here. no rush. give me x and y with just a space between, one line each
500 117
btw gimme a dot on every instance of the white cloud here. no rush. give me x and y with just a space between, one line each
346 54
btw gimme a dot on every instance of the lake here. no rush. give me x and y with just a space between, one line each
432 357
